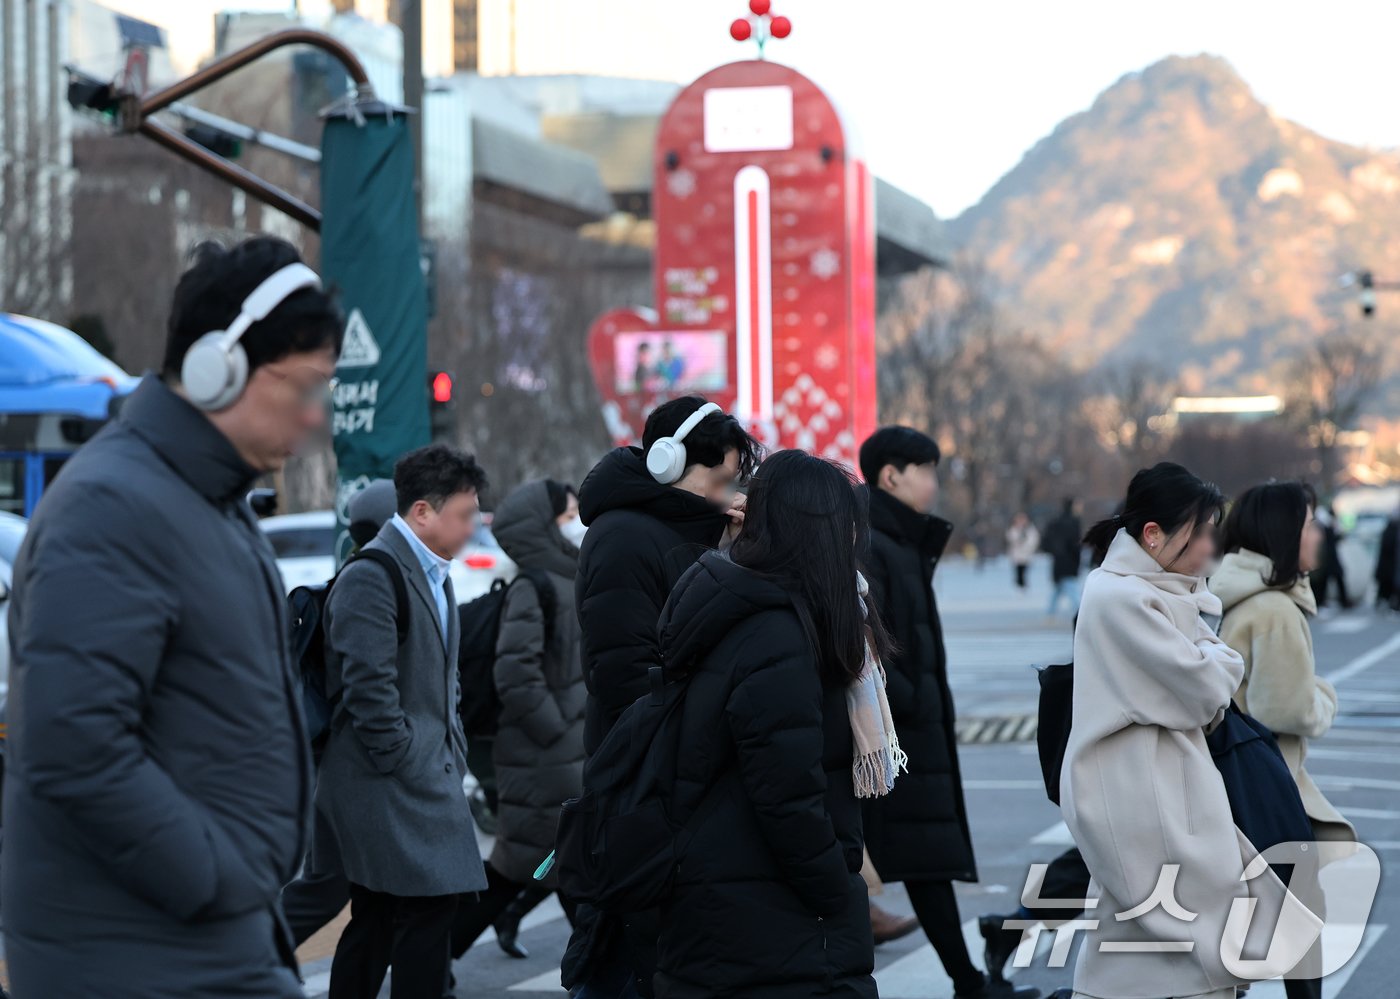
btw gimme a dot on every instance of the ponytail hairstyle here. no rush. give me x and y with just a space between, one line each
1165 494
1268 520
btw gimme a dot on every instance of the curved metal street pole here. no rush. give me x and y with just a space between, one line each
137 112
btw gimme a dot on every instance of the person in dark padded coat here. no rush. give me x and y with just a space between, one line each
159 782
539 745
919 833
770 640
646 526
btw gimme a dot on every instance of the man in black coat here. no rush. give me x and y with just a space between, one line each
919 833
644 531
1064 541
159 783
1388 565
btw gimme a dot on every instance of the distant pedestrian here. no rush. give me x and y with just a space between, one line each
1064 541
784 728
1022 546
919 834
390 788
1140 790
158 780
538 675
651 512
1328 569
1388 565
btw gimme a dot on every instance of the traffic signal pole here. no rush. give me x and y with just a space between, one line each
136 113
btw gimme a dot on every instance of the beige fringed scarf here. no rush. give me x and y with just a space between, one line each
878 758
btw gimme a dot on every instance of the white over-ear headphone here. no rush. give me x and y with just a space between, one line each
215 370
666 459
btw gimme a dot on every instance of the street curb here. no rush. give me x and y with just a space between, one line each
998 729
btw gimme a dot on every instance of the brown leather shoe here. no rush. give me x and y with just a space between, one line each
887 926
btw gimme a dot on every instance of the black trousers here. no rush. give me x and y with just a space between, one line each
1066 877
476 912
312 901
936 905
1021 576
413 935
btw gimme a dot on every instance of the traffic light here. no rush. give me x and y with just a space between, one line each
86 93
217 141
1368 293
441 417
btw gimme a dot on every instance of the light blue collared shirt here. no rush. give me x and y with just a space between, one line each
434 566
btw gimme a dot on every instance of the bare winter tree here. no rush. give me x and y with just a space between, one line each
1005 407
514 309
1129 410
1330 385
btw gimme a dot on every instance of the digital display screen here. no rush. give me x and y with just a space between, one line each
672 363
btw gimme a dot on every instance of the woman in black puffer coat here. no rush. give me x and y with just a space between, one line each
769 902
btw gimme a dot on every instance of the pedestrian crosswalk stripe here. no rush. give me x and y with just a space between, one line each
547 982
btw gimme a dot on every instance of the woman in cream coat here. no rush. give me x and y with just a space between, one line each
1139 790
1272 543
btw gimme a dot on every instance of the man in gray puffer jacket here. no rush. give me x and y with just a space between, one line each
158 781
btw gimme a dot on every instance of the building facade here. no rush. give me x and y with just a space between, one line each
36 160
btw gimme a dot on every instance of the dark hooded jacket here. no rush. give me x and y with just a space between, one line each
768 900
539 745
642 536
919 832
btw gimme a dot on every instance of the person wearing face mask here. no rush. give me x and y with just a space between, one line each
538 751
1138 787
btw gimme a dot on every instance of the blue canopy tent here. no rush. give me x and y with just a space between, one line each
55 391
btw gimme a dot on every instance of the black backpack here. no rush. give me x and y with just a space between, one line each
480 620
308 617
617 844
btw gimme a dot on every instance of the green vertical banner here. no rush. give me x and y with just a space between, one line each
370 253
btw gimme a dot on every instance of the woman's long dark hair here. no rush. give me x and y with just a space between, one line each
805 522
1268 520
1166 495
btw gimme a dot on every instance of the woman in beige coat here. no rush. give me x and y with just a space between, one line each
1139 790
1273 543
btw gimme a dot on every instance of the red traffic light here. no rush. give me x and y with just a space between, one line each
442 387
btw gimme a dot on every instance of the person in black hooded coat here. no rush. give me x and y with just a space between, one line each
768 901
643 534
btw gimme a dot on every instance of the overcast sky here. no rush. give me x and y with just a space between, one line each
947 96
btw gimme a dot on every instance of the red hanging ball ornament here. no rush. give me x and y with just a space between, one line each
760 7
741 29
780 27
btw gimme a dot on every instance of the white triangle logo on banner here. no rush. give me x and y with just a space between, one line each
360 349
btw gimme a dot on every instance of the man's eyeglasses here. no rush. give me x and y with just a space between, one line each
317 394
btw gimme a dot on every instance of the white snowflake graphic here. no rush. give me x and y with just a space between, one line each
681 184
826 264
828 357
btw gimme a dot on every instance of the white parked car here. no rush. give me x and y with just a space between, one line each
12 528
305 547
